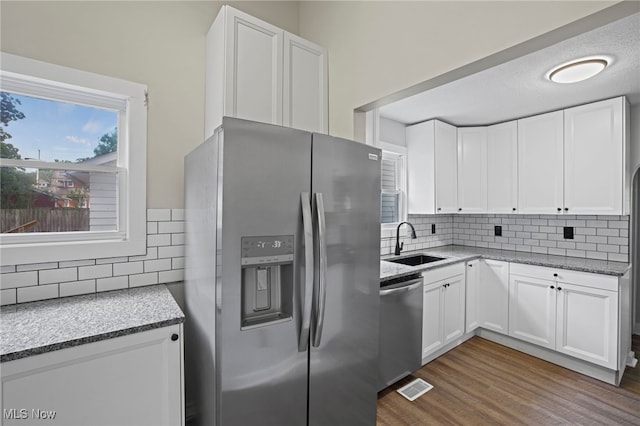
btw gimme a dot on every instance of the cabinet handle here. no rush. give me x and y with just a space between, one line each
174 337
552 287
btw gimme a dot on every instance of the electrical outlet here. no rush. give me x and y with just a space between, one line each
568 232
433 228
498 230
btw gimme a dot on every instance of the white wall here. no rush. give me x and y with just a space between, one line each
392 131
160 44
379 48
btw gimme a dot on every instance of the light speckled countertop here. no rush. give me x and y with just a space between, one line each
38 327
454 254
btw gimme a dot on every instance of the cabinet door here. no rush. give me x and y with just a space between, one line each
446 165
432 338
594 158
129 380
253 78
493 296
532 310
305 97
472 170
421 168
540 164
502 168
453 308
587 321
473 296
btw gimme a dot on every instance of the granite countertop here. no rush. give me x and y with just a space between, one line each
454 254
33 328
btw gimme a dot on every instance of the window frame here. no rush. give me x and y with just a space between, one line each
29 77
400 152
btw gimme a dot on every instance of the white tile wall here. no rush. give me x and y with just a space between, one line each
595 237
163 263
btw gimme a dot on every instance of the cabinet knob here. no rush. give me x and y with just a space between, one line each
174 337
559 288
559 209
552 287
555 275
439 209
566 209
470 266
513 209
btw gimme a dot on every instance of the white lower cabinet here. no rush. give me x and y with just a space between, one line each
135 379
443 307
575 313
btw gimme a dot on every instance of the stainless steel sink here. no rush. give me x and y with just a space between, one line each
418 259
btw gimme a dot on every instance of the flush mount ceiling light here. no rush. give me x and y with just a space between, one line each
579 70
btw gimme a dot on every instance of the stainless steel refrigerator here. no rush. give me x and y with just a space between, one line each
282 277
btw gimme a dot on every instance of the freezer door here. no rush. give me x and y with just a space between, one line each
343 357
261 371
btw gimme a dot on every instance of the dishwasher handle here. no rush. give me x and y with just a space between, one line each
408 286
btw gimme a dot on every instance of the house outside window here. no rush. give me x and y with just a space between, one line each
393 186
73 164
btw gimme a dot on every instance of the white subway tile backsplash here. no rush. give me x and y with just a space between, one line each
608 232
615 257
74 263
171 276
171 251
157 265
97 271
75 288
128 268
158 240
144 279
19 279
177 214
170 227
112 260
113 283
38 292
7 269
56 276
36 266
152 228
8 297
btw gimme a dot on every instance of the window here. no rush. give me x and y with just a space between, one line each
73 164
393 183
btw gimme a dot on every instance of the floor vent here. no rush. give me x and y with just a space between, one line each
415 389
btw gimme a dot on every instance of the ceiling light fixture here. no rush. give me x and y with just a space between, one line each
579 70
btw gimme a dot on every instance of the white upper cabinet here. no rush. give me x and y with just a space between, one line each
257 71
305 85
594 158
502 168
421 187
472 169
446 167
540 164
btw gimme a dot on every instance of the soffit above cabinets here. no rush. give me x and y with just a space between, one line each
519 88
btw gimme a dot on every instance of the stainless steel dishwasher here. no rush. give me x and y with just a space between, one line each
400 343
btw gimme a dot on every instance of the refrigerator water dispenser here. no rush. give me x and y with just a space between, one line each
267 280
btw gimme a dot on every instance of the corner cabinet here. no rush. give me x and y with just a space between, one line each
135 379
443 307
257 71
575 313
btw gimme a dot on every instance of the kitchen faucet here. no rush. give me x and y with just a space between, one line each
400 245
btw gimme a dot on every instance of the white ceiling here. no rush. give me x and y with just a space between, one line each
518 88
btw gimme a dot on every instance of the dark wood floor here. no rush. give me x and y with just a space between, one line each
483 383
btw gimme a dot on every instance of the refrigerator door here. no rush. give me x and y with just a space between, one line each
343 357
262 369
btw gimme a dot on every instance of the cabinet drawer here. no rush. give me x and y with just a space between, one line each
586 279
433 275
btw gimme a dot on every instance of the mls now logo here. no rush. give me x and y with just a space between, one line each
23 413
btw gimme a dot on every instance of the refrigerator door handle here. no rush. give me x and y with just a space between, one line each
322 270
305 202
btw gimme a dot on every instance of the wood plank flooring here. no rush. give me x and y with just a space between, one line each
484 383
